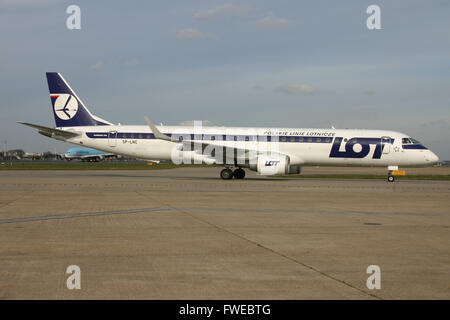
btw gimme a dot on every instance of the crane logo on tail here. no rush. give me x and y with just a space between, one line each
65 105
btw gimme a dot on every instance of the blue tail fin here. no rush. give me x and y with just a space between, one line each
68 109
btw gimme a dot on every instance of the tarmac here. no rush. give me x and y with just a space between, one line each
186 234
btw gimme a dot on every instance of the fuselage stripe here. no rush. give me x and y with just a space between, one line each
210 137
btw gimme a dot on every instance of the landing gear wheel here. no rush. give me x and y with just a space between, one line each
391 178
239 173
226 174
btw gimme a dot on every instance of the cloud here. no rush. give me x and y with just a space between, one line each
193 34
132 62
442 123
225 9
297 89
271 21
258 87
98 66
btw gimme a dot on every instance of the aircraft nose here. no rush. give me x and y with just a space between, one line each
432 157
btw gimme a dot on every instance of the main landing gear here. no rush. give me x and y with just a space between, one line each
228 174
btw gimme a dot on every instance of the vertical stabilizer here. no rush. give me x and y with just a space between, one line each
68 109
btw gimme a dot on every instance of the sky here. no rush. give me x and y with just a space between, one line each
299 64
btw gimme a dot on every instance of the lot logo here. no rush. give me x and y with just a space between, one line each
272 163
66 106
356 148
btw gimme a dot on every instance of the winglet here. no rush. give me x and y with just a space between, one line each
158 134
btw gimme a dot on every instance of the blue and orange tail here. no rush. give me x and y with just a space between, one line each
68 109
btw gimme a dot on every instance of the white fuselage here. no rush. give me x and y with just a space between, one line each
303 146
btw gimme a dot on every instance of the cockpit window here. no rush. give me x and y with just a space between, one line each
415 141
406 141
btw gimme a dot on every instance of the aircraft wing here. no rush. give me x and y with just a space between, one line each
51 132
236 148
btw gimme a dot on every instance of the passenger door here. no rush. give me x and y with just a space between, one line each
386 144
112 138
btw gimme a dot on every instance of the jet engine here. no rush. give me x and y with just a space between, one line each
267 165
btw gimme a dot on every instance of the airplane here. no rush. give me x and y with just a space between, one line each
31 155
268 151
86 154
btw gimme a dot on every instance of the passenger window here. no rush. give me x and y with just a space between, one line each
292 139
300 139
247 138
283 139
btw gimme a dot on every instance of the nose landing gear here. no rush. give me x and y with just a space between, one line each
392 172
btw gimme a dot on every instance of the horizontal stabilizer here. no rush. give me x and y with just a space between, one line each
50 132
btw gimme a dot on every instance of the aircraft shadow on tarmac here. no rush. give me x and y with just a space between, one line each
174 177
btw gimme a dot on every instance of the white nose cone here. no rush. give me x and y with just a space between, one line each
433 158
